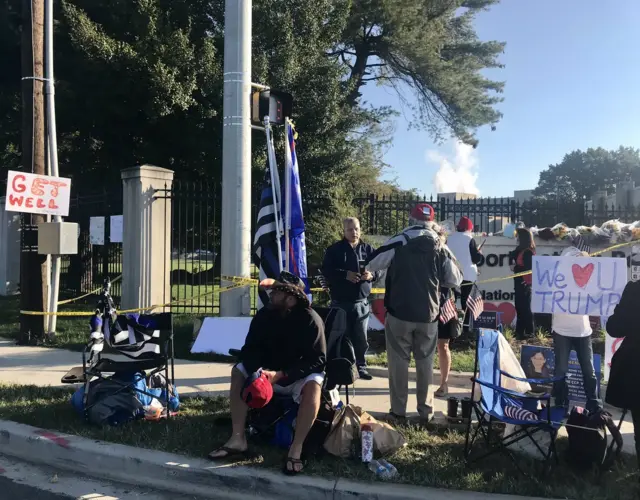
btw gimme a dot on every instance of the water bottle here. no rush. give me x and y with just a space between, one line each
393 472
378 469
367 443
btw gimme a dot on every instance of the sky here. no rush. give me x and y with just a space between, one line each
572 73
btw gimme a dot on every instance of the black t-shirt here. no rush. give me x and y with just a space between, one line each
294 344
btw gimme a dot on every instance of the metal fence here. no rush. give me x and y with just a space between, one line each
86 271
195 247
388 215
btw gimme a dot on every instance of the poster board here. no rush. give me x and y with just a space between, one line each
96 230
590 286
116 229
37 194
218 335
540 362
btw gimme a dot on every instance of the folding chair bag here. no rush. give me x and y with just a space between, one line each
588 439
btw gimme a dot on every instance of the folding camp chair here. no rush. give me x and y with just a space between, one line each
146 340
531 413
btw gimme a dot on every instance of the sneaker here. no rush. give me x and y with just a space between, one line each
394 419
364 374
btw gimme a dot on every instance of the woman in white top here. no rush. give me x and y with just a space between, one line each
572 331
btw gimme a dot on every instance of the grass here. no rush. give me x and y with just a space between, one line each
431 458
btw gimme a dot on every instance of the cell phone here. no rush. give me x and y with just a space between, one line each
363 268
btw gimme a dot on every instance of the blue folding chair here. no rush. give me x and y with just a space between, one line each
498 404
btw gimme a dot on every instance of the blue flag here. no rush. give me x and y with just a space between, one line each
296 254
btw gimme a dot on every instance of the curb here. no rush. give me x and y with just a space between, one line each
191 476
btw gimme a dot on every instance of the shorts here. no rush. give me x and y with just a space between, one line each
444 331
294 390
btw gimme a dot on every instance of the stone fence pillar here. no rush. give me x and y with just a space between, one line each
9 250
146 247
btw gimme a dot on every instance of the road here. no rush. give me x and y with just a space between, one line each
22 481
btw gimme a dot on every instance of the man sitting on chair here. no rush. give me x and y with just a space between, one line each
286 341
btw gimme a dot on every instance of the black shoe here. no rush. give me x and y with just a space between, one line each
364 374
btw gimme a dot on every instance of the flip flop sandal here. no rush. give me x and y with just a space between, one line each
230 453
293 462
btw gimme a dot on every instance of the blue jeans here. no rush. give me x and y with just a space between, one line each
562 347
357 326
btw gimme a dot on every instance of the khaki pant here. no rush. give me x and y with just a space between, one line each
403 338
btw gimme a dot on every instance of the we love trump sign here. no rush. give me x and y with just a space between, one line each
589 286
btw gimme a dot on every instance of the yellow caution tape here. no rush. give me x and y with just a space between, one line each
239 282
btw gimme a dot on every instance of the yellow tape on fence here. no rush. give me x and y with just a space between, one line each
239 282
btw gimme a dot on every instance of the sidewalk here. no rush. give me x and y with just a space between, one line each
45 367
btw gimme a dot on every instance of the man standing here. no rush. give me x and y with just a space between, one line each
350 286
286 346
419 264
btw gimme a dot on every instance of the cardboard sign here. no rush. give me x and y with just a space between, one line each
487 319
38 194
590 286
540 362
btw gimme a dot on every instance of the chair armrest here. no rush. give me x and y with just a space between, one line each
533 380
515 394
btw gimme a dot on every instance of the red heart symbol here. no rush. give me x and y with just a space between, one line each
582 275
506 310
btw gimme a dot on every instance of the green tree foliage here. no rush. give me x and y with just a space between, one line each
140 81
581 173
429 48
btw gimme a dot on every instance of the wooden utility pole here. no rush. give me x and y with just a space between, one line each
33 267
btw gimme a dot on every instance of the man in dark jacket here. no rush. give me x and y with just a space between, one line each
350 286
622 390
286 340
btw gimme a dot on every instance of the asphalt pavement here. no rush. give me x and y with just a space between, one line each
10 490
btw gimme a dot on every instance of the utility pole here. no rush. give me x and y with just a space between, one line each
236 155
33 267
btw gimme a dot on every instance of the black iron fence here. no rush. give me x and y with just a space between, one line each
195 247
86 271
388 215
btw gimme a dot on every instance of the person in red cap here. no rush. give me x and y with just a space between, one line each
285 353
465 249
418 265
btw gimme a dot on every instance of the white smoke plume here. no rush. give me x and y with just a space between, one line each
457 175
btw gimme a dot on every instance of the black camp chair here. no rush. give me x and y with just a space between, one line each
146 340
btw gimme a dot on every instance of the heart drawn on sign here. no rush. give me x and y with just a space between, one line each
582 275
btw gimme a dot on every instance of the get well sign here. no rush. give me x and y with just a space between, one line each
38 194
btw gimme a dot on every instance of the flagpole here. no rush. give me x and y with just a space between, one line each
288 165
275 187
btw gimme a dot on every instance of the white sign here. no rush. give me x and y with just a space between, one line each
218 335
96 230
589 286
116 232
37 194
611 345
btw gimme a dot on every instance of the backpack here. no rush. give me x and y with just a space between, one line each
341 366
588 438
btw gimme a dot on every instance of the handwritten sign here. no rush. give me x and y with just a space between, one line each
540 362
116 234
96 230
589 286
37 194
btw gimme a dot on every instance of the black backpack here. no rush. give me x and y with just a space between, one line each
588 439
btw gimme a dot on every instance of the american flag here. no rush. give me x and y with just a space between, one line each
266 243
581 244
475 304
448 311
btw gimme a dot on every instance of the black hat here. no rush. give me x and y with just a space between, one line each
288 283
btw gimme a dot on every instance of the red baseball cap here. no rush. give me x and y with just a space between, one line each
257 391
465 224
423 212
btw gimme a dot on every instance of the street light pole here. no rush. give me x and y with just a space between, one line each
236 155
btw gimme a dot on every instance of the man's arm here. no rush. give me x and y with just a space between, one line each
330 269
250 355
381 259
627 313
476 255
314 353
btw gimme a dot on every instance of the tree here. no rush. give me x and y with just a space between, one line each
581 173
430 48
